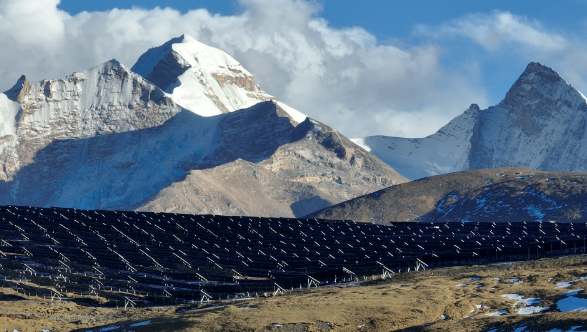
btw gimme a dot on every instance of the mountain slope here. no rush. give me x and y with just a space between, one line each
540 124
107 138
493 195
193 163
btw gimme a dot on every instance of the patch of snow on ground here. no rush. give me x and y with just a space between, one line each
109 328
569 283
141 323
527 302
572 304
531 310
461 285
573 292
521 299
497 313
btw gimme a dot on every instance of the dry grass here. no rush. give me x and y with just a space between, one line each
414 301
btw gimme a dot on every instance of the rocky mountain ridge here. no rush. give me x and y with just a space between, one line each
541 124
106 99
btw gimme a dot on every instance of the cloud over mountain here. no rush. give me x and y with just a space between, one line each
343 77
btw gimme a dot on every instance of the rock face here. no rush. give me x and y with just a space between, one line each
104 100
541 124
492 195
107 138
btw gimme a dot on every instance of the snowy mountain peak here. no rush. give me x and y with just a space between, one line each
201 78
540 82
472 108
107 137
541 124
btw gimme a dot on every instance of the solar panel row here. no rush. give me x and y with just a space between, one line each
186 256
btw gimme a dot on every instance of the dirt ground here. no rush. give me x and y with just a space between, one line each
414 301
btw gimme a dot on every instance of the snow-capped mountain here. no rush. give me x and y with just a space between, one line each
108 138
541 124
203 79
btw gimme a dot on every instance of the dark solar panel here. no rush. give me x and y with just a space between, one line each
167 255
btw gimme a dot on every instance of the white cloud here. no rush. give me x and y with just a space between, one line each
505 35
492 30
341 77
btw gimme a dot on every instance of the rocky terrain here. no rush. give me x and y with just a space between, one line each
107 138
492 195
541 124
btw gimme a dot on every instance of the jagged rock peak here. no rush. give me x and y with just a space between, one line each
114 62
537 73
540 81
19 90
473 108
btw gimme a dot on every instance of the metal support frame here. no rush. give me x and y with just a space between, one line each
128 302
420 264
55 294
278 290
205 296
313 281
387 272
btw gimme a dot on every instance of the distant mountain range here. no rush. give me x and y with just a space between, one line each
541 124
491 195
185 130
188 130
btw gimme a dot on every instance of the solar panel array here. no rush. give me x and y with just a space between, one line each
154 255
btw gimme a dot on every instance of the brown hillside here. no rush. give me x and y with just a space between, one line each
503 194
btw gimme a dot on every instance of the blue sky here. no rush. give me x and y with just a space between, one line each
401 68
